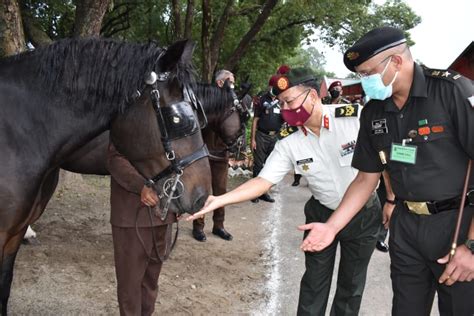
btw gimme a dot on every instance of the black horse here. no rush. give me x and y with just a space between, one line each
56 99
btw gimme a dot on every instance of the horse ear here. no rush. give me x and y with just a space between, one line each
178 52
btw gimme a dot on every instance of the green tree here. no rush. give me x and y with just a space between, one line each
250 37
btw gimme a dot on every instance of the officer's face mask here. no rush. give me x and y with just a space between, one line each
335 93
375 88
298 116
229 84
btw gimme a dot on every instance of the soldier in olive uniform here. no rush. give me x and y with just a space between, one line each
419 127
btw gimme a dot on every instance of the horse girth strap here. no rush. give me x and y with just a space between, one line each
177 166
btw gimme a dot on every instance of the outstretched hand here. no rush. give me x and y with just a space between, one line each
212 203
320 236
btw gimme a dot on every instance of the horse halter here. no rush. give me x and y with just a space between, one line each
244 115
175 121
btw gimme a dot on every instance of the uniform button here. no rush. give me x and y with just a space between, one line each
401 115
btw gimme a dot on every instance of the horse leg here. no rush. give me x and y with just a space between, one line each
9 246
45 193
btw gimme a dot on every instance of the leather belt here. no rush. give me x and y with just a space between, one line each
269 133
435 207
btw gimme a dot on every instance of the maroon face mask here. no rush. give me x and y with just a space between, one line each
298 116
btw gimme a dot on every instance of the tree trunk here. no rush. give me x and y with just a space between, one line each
33 31
89 16
219 33
176 16
12 38
247 39
206 42
188 23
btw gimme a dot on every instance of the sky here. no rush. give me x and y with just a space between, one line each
446 29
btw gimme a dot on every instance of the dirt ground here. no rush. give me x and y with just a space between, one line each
71 272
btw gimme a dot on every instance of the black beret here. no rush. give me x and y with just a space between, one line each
371 44
294 77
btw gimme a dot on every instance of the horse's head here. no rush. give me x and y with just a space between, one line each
160 134
227 114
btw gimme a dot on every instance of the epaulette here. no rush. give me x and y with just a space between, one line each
286 130
350 110
446 74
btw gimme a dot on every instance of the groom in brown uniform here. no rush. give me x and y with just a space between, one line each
136 271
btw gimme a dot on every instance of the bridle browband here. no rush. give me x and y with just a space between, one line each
173 184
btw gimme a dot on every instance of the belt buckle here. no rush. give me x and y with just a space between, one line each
420 208
271 133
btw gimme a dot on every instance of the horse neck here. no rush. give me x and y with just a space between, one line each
216 102
60 125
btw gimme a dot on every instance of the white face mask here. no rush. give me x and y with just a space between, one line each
374 87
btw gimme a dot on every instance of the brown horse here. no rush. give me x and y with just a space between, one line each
57 99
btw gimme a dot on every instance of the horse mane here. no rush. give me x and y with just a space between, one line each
102 71
215 100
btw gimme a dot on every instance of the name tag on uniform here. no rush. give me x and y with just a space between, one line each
304 161
379 127
403 153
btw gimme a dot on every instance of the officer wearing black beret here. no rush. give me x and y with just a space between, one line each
419 127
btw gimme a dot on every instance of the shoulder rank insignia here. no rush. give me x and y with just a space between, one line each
286 131
442 73
350 110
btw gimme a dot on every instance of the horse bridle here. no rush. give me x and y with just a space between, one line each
175 170
244 115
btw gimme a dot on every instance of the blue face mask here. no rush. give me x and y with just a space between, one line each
374 87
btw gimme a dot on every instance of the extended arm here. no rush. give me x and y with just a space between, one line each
247 191
323 234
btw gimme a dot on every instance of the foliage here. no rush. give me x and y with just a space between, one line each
291 24
56 18
362 19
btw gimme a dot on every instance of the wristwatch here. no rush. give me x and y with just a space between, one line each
470 244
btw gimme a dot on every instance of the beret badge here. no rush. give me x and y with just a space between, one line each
283 83
352 55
